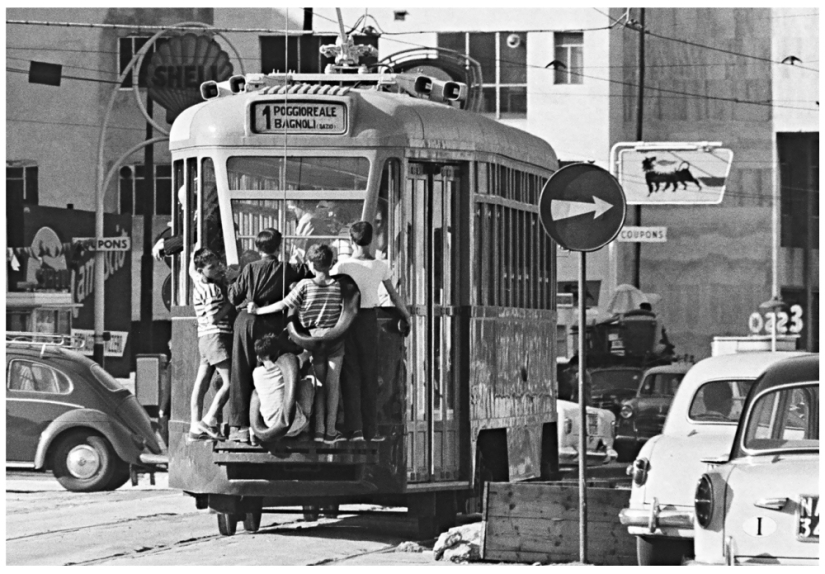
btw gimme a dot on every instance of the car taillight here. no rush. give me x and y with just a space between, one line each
703 501
626 412
568 426
638 470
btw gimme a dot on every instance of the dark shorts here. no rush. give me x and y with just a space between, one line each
215 348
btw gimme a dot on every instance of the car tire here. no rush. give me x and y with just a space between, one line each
84 461
121 475
252 521
228 523
663 551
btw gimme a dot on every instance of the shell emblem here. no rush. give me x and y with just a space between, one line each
178 68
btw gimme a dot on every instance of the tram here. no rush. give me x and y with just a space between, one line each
469 394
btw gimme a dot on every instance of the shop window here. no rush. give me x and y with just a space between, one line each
503 60
570 52
21 182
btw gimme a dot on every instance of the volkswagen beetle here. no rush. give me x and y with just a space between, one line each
761 505
65 413
700 424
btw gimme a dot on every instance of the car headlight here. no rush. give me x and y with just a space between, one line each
703 501
626 412
568 426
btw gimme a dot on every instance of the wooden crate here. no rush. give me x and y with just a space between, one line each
539 522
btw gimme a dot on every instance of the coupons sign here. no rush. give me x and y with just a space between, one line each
293 117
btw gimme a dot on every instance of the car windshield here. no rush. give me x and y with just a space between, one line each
615 379
784 419
719 401
661 384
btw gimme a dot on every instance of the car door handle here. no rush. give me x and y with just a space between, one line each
771 503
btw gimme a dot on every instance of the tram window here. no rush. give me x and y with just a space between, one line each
300 173
209 219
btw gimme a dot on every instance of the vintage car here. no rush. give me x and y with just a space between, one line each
600 432
609 386
67 414
643 416
700 424
761 505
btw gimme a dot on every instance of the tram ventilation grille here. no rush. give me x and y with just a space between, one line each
314 89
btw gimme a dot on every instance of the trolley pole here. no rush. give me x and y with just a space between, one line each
582 412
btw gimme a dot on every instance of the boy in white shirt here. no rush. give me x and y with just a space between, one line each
269 382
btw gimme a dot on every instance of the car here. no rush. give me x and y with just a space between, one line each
665 472
609 386
760 504
643 416
65 413
601 428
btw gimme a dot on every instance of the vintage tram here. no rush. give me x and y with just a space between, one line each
469 395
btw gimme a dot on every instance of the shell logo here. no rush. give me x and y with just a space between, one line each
178 68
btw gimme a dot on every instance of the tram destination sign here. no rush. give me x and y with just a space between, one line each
582 207
299 117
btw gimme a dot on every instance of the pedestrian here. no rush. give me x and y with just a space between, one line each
261 282
214 341
319 304
360 388
272 390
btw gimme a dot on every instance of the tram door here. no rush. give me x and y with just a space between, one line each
430 200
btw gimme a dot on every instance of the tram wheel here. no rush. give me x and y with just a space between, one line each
330 510
227 523
252 521
311 512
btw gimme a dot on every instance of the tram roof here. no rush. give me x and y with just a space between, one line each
380 119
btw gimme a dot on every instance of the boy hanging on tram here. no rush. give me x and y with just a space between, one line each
214 341
261 282
319 303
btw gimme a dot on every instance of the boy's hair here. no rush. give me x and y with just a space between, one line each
204 257
361 233
321 256
267 346
268 241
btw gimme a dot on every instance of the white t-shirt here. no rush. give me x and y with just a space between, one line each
368 274
270 386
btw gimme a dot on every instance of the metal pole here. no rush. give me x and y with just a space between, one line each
775 236
582 412
637 264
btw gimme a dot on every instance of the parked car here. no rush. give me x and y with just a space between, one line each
67 414
643 416
601 429
761 505
609 386
700 424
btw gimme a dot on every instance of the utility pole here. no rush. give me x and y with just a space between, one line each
637 260
147 263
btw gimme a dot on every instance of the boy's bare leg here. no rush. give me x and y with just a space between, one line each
332 383
221 396
202 379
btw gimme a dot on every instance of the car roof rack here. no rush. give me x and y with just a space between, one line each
44 340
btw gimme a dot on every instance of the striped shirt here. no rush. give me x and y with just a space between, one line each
208 300
319 306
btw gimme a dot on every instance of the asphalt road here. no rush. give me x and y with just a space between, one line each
153 525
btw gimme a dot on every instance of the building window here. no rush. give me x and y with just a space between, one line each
799 177
132 190
127 48
569 51
503 59
21 182
302 53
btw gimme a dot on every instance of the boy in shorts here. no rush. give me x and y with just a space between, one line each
319 303
269 382
214 341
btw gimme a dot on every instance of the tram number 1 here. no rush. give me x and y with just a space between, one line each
779 323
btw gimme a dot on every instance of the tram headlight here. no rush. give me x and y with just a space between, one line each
237 84
703 501
209 90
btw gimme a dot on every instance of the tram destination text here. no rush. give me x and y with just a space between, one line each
299 117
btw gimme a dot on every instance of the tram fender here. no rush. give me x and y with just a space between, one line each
116 433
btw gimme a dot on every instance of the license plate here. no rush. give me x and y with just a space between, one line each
808 518
592 424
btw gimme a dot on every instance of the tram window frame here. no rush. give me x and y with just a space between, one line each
132 178
22 180
569 50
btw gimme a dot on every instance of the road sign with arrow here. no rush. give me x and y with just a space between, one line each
582 207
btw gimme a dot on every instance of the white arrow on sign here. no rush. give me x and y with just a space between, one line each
560 209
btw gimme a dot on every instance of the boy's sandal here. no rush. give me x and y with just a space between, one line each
197 437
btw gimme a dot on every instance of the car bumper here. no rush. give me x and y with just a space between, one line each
569 455
154 460
658 520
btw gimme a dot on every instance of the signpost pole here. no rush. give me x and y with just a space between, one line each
582 412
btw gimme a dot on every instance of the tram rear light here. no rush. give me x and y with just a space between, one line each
237 84
209 90
435 90
448 91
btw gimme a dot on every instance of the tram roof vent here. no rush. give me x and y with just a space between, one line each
314 89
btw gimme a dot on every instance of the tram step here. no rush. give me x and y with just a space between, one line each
293 454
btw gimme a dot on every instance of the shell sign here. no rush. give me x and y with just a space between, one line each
178 68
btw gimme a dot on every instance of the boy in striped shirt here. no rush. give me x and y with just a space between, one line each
319 303
214 341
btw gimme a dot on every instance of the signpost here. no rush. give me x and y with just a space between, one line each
582 207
